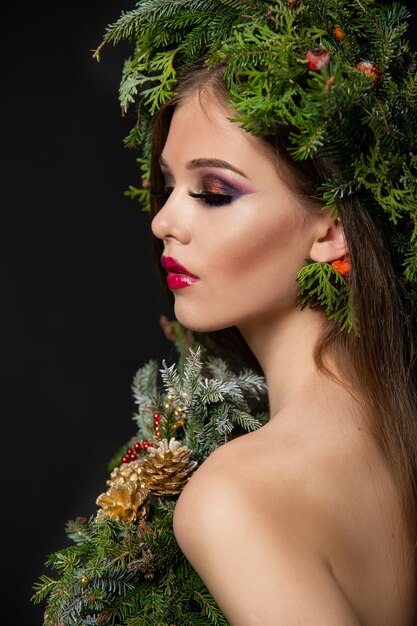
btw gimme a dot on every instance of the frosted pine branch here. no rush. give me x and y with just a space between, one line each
216 390
172 382
192 373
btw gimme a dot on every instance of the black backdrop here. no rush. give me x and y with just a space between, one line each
80 293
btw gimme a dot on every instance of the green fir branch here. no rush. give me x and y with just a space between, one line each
246 420
145 392
321 284
191 377
211 391
338 113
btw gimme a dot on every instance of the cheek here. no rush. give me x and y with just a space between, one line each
248 262
261 249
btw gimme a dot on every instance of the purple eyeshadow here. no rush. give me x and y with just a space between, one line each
215 185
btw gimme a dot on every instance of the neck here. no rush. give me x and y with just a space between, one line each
284 349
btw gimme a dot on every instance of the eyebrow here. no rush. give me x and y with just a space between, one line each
199 163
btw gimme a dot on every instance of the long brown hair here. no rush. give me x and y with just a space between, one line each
379 363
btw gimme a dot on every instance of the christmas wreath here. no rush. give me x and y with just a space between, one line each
125 566
338 78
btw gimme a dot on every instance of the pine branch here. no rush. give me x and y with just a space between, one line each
252 384
320 283
247 421
144 384
209 607
145 392
173 383
191 376
211 391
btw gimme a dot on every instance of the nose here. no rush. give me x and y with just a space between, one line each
171 222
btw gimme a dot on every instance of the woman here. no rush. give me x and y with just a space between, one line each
298 522
278 177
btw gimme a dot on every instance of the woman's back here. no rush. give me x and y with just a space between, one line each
301 521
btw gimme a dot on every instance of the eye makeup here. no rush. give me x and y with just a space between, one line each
215 185
215 191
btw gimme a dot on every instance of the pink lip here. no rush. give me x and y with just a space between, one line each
178 275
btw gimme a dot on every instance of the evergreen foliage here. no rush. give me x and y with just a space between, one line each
359 109
323 284
134 573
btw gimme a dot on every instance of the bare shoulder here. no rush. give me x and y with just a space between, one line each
285 471
249 543
288 518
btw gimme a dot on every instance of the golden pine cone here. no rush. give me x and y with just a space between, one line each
167 468
126 502
127 472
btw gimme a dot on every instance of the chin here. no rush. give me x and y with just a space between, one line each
202 328
199 325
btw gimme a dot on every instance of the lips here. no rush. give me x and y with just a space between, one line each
178 275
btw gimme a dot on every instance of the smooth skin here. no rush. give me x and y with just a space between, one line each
299 522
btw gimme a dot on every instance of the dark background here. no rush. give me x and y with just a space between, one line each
79 289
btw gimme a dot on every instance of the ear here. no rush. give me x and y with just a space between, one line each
330 244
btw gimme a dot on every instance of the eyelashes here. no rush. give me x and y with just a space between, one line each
209 198
212 199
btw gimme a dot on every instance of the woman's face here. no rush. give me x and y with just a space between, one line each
229 220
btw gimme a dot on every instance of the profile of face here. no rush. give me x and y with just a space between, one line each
234 234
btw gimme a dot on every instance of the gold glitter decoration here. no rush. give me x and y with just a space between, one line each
127 472
126 499
126 502
84 581
167 468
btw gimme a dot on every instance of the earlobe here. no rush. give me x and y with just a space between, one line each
330 246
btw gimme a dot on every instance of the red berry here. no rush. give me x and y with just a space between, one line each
156 416
138 446
133 456
342 266
129 451
370 69
317 57
125 459
339 33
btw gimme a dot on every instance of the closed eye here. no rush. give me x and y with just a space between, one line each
212 199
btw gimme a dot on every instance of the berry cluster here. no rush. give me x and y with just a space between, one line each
318 57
